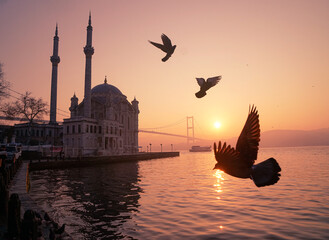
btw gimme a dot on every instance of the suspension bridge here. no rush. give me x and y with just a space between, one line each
190 137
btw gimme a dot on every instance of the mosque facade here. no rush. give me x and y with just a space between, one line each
104 123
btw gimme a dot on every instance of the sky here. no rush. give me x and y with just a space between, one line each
274 54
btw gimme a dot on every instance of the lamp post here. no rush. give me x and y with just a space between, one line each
161 147
150 147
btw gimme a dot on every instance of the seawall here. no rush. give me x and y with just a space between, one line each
18 183
18 186
93 161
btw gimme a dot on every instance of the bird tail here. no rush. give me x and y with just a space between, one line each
266 173
200 94
166 58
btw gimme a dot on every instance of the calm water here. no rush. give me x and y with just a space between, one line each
183 198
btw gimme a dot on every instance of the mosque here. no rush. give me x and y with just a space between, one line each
104 123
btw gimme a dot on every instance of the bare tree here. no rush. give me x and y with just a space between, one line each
27 108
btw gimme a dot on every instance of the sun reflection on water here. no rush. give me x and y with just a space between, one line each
219 175
219 181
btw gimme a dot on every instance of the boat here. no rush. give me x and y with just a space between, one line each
200 149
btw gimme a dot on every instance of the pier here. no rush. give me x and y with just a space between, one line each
44 164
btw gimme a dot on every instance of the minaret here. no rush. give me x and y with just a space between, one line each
89 51
53 98
74 106
134 104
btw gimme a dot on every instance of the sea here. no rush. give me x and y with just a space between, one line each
184 198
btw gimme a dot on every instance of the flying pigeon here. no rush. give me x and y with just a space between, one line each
167 47
239 162
205 85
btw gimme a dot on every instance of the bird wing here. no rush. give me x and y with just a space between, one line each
247 144
225 155
158 45
213 80
200 81
166 41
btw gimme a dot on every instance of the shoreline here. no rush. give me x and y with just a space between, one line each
18 184
44 164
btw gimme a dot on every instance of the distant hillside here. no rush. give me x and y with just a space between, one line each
294 138
279 138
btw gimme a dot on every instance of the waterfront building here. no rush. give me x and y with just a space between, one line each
40 134
104 123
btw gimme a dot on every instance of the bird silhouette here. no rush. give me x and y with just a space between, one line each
239 162
167 47
205 85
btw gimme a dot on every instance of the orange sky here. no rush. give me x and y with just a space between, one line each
274 54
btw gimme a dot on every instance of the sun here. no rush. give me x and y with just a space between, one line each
217 124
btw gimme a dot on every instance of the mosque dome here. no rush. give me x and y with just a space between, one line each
105 88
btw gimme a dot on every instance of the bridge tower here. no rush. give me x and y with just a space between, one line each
190 130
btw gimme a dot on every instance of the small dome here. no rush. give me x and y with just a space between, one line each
105 88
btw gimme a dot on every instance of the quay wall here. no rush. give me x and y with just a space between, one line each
93 161
22 227
15 184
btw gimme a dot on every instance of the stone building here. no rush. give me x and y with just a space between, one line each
105 122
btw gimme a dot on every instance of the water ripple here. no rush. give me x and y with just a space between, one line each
165 199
